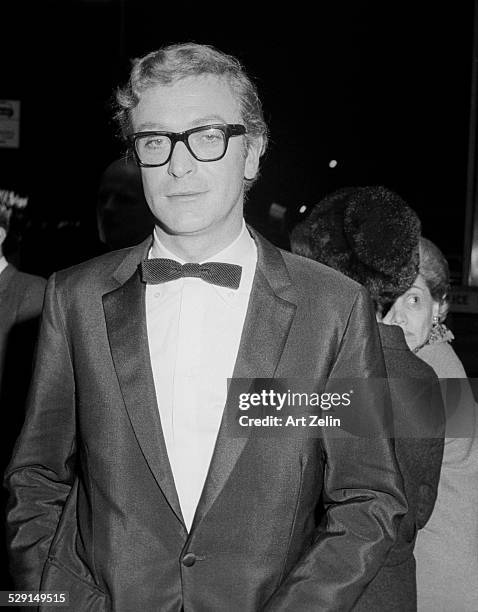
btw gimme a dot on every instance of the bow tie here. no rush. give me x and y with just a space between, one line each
161 270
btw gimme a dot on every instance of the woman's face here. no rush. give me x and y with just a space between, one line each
413 312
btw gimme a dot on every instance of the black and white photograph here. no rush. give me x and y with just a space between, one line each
239 307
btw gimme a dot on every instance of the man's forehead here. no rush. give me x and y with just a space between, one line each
192 99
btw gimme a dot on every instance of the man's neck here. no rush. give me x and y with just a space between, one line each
195 248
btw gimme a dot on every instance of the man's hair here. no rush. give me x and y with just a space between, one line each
435 271
172 63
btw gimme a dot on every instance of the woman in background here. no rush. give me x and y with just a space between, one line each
420 312
371 235
446 549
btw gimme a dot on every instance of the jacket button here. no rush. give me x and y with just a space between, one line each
189 559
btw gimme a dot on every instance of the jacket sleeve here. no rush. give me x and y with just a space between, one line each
362 497
41 471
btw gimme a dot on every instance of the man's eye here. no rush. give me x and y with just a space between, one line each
211 137
413 300
155 142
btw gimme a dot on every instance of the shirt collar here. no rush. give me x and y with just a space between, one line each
237 252
242 251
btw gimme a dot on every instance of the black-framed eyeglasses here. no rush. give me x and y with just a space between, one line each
205 143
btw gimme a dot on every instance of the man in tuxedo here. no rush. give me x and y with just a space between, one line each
21 301
127 488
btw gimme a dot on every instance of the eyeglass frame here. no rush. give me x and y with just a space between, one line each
228 130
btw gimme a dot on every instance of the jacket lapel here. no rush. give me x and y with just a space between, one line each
270 313
125 316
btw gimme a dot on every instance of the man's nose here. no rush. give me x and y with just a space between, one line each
181 161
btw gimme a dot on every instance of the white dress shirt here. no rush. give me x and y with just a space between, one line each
194 331
3 264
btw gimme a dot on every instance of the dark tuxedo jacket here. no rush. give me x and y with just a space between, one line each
21 301
419 419
283 523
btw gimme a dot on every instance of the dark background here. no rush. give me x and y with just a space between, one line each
383 88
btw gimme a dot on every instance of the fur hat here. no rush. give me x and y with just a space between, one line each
369 234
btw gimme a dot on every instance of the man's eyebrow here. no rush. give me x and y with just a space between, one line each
207 120
159 127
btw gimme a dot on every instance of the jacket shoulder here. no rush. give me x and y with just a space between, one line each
30 281
94 273
443 359
313 276
399 359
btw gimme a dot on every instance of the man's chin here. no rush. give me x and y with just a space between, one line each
185 229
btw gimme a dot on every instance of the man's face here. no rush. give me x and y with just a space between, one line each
187 196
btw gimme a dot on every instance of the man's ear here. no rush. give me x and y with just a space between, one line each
254 150
3 235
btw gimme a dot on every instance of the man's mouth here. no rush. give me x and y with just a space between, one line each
184 194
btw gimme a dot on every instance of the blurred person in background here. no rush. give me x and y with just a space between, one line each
21 300
122 219
123 216
447 548
371 235
21 296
